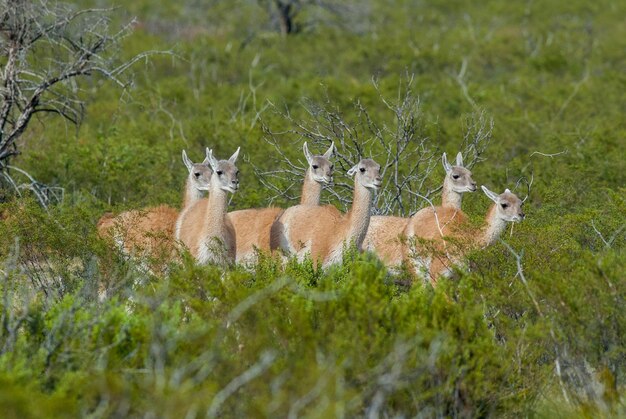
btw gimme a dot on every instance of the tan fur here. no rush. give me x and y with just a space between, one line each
443 237
323 231
320 171
457 181
138 231
252 226
197 182
385 238
150 231
252 230
311 191
206 225
386 234
205 228
427 247
105 223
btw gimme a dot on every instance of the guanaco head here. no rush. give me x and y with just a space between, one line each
459 178
508 205
225 174
199 173
320 167
367 173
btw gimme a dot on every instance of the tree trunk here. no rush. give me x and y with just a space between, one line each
285 17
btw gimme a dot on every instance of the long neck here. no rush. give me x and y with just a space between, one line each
192 194
359 215
449 198
217 205
495 226
311 190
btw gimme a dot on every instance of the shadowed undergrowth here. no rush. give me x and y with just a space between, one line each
275 341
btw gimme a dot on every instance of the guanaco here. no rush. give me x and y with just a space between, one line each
205 228
151 230
322 231
443 237
385 234
252 226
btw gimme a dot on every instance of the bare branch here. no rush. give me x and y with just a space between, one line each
549 155
460 79
265 361
399 143
608 243
529 184
72 45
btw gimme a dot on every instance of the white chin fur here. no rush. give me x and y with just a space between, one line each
321 180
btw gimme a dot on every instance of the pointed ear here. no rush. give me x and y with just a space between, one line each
212 160
446 166
187 162
206 159
233 158
307 153
507 190
353 170
491 195
459 159
329 153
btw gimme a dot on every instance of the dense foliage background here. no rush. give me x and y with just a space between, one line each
545 337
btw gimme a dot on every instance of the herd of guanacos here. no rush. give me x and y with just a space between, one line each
213 235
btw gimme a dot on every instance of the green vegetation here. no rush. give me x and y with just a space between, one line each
545 339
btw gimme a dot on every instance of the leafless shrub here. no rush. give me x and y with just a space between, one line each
406 153
45 194
46 49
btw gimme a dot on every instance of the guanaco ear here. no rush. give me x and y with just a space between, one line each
446 166
459 159
212 160
507 190
353 170
206 159
187 162
307 153
233 158
491 195
329 153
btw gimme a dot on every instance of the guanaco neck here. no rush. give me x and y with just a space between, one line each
495 226
192 194
359 215
450 198
217 205
311 190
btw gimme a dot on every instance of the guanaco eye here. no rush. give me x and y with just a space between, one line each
505 206
315 166
197 175
219 173
455 176
362 169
